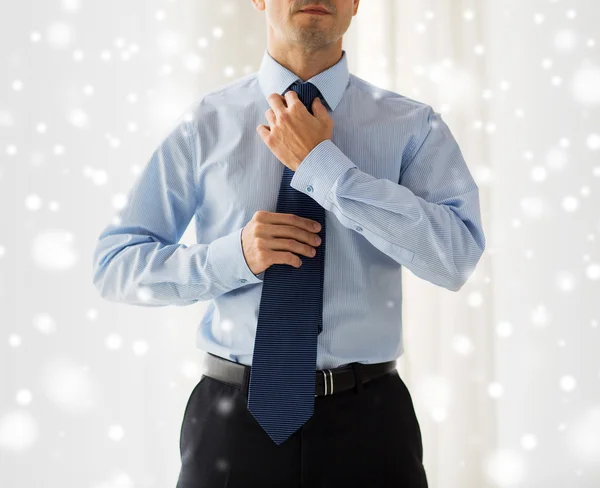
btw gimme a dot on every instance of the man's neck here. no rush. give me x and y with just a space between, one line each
304 63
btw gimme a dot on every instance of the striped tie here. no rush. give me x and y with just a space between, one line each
281 391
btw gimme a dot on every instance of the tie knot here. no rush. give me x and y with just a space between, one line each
306 91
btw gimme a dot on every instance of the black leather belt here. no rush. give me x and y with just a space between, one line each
328 381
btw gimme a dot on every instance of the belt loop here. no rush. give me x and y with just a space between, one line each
358 384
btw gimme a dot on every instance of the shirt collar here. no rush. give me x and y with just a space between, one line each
332 82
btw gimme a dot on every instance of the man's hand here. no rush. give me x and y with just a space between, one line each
275 238
293 131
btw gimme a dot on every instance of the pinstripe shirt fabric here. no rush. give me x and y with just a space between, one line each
393 181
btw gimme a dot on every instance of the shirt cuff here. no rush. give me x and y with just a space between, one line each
320 169
228 262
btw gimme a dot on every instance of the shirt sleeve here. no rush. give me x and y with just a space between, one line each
429 221
138 258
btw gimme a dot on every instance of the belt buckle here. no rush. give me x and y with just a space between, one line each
325 371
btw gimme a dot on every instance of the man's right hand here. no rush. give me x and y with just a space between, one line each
273 238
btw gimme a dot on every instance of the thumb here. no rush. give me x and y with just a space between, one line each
319 109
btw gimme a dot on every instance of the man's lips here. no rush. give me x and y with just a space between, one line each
314 11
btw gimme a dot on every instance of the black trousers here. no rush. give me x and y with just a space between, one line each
363 437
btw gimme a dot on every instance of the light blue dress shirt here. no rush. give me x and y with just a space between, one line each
394 183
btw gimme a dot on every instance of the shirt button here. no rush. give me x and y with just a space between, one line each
243 280
359 229
309 188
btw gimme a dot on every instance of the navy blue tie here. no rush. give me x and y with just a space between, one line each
281 391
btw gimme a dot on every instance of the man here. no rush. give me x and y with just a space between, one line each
300 386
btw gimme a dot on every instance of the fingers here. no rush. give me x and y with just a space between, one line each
270 115
291 98
276 102
291 244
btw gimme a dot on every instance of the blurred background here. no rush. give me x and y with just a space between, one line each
504 374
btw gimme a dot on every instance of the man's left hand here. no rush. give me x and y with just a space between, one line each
293 131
